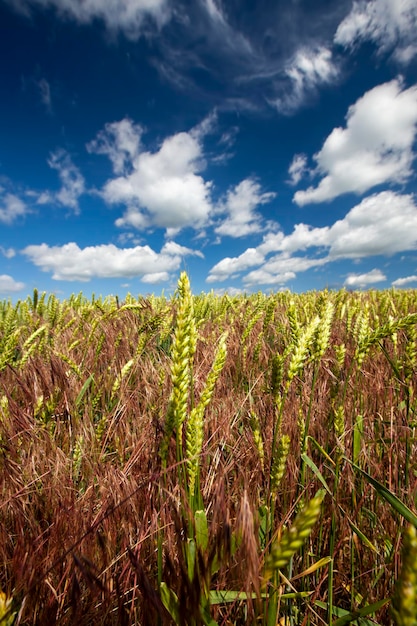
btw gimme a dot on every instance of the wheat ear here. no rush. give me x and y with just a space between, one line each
404 601
183 349
294 538
195 425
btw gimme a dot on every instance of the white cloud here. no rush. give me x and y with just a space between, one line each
298 169
73 185
161 188
364 280
390 24
11 207
9 285
155 278
128 16
230 267
240 205
264 277
45 93
382 224
374 148
9 253
215 12
44 197
280 269
231 291
120 141
69 262
304 236
309 69
207 126
400 282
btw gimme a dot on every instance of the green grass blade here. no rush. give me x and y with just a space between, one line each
225 597
170 602
362 537
390 497
357 438
316 471
84 389
322 450
355 617
201 530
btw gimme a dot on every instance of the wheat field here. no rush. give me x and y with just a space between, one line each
206 459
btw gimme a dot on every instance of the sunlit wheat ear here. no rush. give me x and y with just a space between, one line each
340 352
249 327
404 600
77 457
389 329
362 331
195 426
301 351
183 349
6 614
410 352
123 374
293 322
293 539
269 313
257 437
324 330
9 333
71 364
301 425
339 425
279 462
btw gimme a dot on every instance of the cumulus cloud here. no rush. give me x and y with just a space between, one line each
230 267
390 24
406 280
280 269
240 206
9 285
264 277
128 16
375 147
309 69
69 262
11 207
364 280
382 224
161 188
73 184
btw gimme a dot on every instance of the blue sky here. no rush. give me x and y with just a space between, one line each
257 144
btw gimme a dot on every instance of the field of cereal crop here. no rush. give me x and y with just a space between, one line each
209 459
